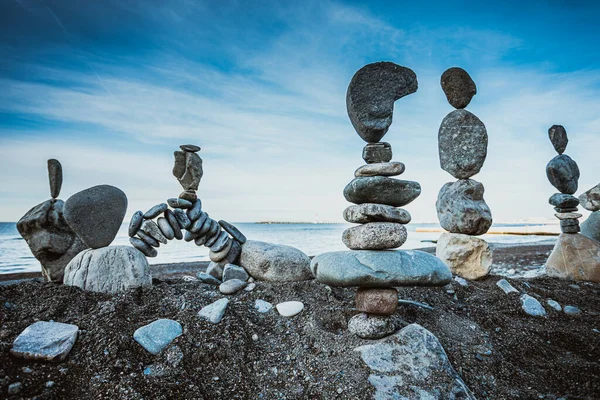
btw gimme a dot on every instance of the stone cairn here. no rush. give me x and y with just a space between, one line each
370 264
574 256
461 209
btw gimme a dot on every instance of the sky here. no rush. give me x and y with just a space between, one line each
112 88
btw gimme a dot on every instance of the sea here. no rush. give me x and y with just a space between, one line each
313 239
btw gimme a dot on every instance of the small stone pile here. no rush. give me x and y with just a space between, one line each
461 209
574 256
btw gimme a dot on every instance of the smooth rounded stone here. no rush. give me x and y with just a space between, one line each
232 271
274 263
170 216
570 229
199 223
214 312
222 241
377 153
110 269
208 224
136 223
188 236
590 200
393 168
196 210
575 257
558 137
375 236
462 144
563 174
371 95
566 216
532 306
554 304
55 177
370 212
192 148
262 306
156 211
200 240
458 87
213 234
188 169
233 231
44 340
232 286
165 228
381 190
144 247
182 218
375 269
215 270
506 286
565 210
591 226
572 310
150 227
380 301
51 240
250 287
179 203
189 195
290 308
220 255
467 256
206 278
156 336
561 200
462 209
96 214
367 326
148 239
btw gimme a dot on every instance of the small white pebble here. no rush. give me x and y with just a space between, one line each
290 308
255 337
50 384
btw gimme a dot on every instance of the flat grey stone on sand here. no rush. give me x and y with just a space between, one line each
156 336
591 226
156 211
232 286
143 247
274 263
375 236
532 306
232 271
371 212
233 231
136 223
96 214
412 364
462 209
45 341
368 326
55 177
371 95
369 268
381 190
214 312
458 87
558 137
263 306
506 286
377 153
393 168
590 200
563 174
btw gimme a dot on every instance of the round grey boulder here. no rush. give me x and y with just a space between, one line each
274 263
458 87
558 137
368 326
381 190
563 174
375 236
371 212
462 209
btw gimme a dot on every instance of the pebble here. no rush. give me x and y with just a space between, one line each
393 168
458 87
55 177
26 370
375 236
561 200
206 278
381 190
233 231
370 212
532 306
221 254
214 312
179 203
148 239
15 388
506 286
380 301
461 281
377 153
50 384
153 230
189 195
558 138
144 247
254 337
165 228
194 212
232 286
156 211
170 216
136 222
263 306
554 304
198 222
215 269
192 148
156 336
563 173
182 218
290 308
571 310
368 326
232 271
563 216
461 208
45 340
250 287
221 242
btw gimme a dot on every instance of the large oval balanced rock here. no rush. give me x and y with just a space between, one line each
462 209
563 174
371 95
462 142
381 190
375 236
274 263
96 214
590 200
458 87
109 270
371 212
558 137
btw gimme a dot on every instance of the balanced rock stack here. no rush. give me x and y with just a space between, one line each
590 200
574 256
370 264
461 209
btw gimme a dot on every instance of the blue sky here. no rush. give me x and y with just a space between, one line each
112 88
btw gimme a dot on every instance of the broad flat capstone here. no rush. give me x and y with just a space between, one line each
371 212
375 236
563 174
55 177
462 209
590 200
381 190
591 226
45 341
575 257
274 263
393 168
466 255
458 87
389 268
371 327
156 336
462 143
371 95
109 270
377 153
412 364
96 214
558 137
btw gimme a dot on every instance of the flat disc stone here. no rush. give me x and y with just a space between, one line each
458 87
371 95
96 214
381 190
45 341
370 212
558 138
563 174
393 168
389 268
462 142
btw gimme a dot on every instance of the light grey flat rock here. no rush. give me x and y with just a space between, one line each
156 336
214 312
532 306
45 341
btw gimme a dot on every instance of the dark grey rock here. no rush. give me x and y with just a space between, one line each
232 271
156 211
96 214
590 200
558 137
192 148
15 388
215 270
377 153
148 239
170 216
371 95
188 236
458 87
233 231
371 327
462 143
206 278
45 341
370 212
591 226
165 228
144 247
569 223
220 243
560 200
375 236
200 240
199 222
393 168
188 169
55 177
462 209
565 210
179 203
274 263
563 174
182 218
234 254
136 223
381 190
213 233
232 286
196 210
150 227
570 228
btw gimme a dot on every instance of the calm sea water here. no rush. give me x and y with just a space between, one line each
313 239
